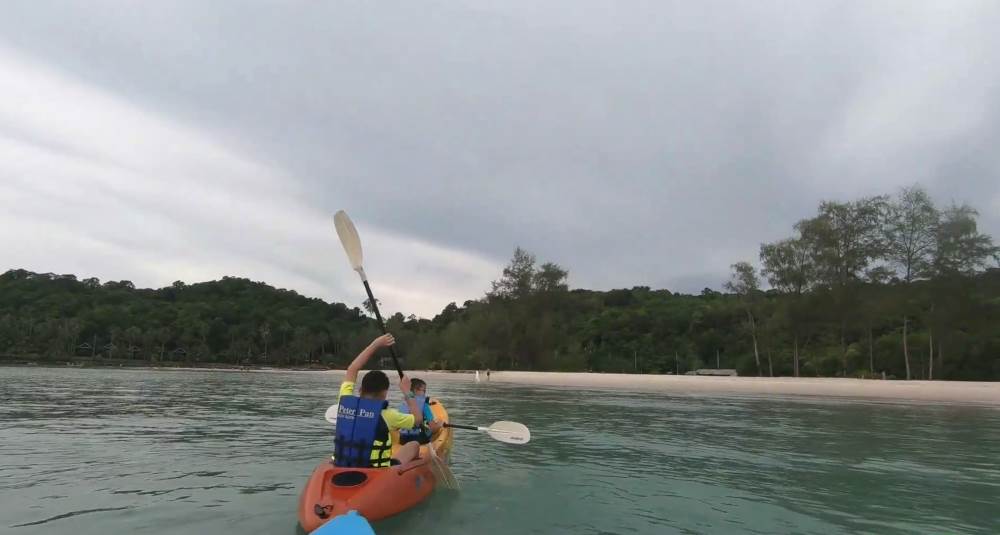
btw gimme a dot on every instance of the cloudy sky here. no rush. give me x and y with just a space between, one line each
649 143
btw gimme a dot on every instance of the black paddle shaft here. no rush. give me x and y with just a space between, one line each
470 427
381 324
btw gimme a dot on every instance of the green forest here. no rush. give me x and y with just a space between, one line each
888 285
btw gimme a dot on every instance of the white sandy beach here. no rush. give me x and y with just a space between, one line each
919 391
962 392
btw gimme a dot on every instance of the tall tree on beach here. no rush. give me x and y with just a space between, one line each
790 268
911 236
518 278
745 283
844 239
960 252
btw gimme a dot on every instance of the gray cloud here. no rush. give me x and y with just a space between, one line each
636 143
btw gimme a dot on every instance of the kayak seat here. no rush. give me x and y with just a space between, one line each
350 478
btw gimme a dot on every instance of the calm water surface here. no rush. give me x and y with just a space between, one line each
136 451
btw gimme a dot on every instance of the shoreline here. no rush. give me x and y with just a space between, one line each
934 392
979 393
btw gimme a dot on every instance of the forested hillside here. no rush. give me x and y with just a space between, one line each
880 284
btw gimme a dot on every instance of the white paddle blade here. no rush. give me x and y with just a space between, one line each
331 414
349 239
509 432
441 471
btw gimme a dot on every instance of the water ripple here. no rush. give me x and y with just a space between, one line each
198 452
68 515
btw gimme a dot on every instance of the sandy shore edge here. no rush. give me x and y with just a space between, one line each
943 392
979 393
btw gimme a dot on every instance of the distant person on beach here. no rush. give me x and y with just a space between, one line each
365 421
487 374
421 434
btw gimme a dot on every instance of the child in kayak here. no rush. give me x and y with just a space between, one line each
421 434
364 421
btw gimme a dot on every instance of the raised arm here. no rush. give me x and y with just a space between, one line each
411 402
432 423
359 361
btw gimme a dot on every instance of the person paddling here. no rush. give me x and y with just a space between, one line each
421 434
365 421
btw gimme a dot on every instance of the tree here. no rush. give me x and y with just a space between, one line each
844 239
265 336
302 344
550 278
911 233
788 265
149 342
960 248
518 277
837 292
114 336
961 251
163 336
745 283
448 315
133 335
69 333
790 268
369 307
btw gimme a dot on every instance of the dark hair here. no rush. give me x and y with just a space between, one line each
374 382
416 384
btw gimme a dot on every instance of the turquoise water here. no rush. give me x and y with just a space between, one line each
134 451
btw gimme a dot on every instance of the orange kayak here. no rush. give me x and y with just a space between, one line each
375 493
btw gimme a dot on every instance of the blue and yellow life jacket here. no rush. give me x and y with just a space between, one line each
421 433
362 439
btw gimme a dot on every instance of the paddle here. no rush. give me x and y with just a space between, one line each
502 431
331 413
352 246
441 470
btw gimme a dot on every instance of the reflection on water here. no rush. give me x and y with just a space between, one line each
126 451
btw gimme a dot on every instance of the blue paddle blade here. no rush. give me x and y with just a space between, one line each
349 524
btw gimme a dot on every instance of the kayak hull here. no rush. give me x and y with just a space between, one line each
375 493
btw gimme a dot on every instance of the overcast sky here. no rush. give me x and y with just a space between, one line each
635 143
